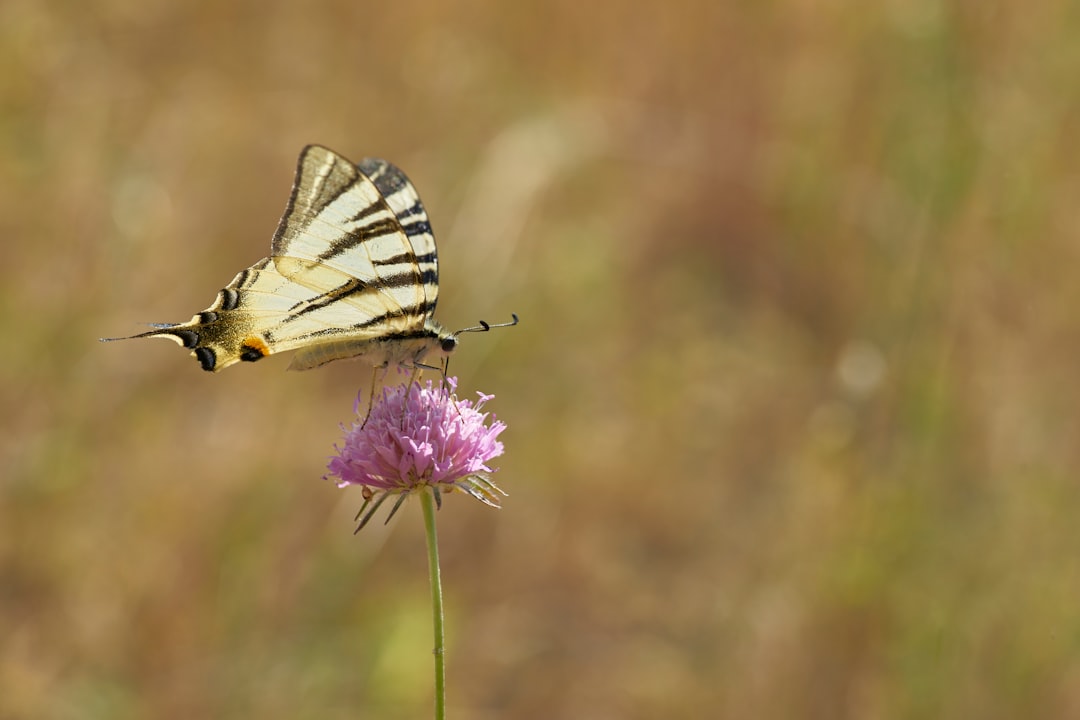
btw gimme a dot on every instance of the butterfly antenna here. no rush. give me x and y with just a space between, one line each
485 326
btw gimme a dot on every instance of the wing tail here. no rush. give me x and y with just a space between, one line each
209 338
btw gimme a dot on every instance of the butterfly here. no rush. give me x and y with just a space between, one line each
352 273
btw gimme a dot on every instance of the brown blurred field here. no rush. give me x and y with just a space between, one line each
793 406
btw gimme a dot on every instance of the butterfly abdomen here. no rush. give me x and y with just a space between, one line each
398 349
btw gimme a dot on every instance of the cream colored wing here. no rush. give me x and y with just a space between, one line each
353 272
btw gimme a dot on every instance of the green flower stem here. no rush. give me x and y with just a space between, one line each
427 499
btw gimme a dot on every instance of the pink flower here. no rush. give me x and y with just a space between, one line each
418 436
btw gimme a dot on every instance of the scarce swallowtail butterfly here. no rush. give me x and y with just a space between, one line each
352 273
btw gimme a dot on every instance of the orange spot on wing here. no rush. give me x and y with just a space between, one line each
255 345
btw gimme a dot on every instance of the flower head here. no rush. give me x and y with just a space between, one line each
418 436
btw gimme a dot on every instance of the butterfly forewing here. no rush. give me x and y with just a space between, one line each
340 218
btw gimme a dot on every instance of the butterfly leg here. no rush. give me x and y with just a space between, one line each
447 387
371 398
444 370
414 379
423 366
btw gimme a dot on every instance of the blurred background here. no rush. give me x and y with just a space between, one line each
792 409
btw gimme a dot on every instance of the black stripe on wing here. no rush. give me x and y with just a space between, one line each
416 227
349 287
322 177
359 236
372 322
355 286
405 258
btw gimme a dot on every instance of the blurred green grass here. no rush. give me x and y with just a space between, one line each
792 408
